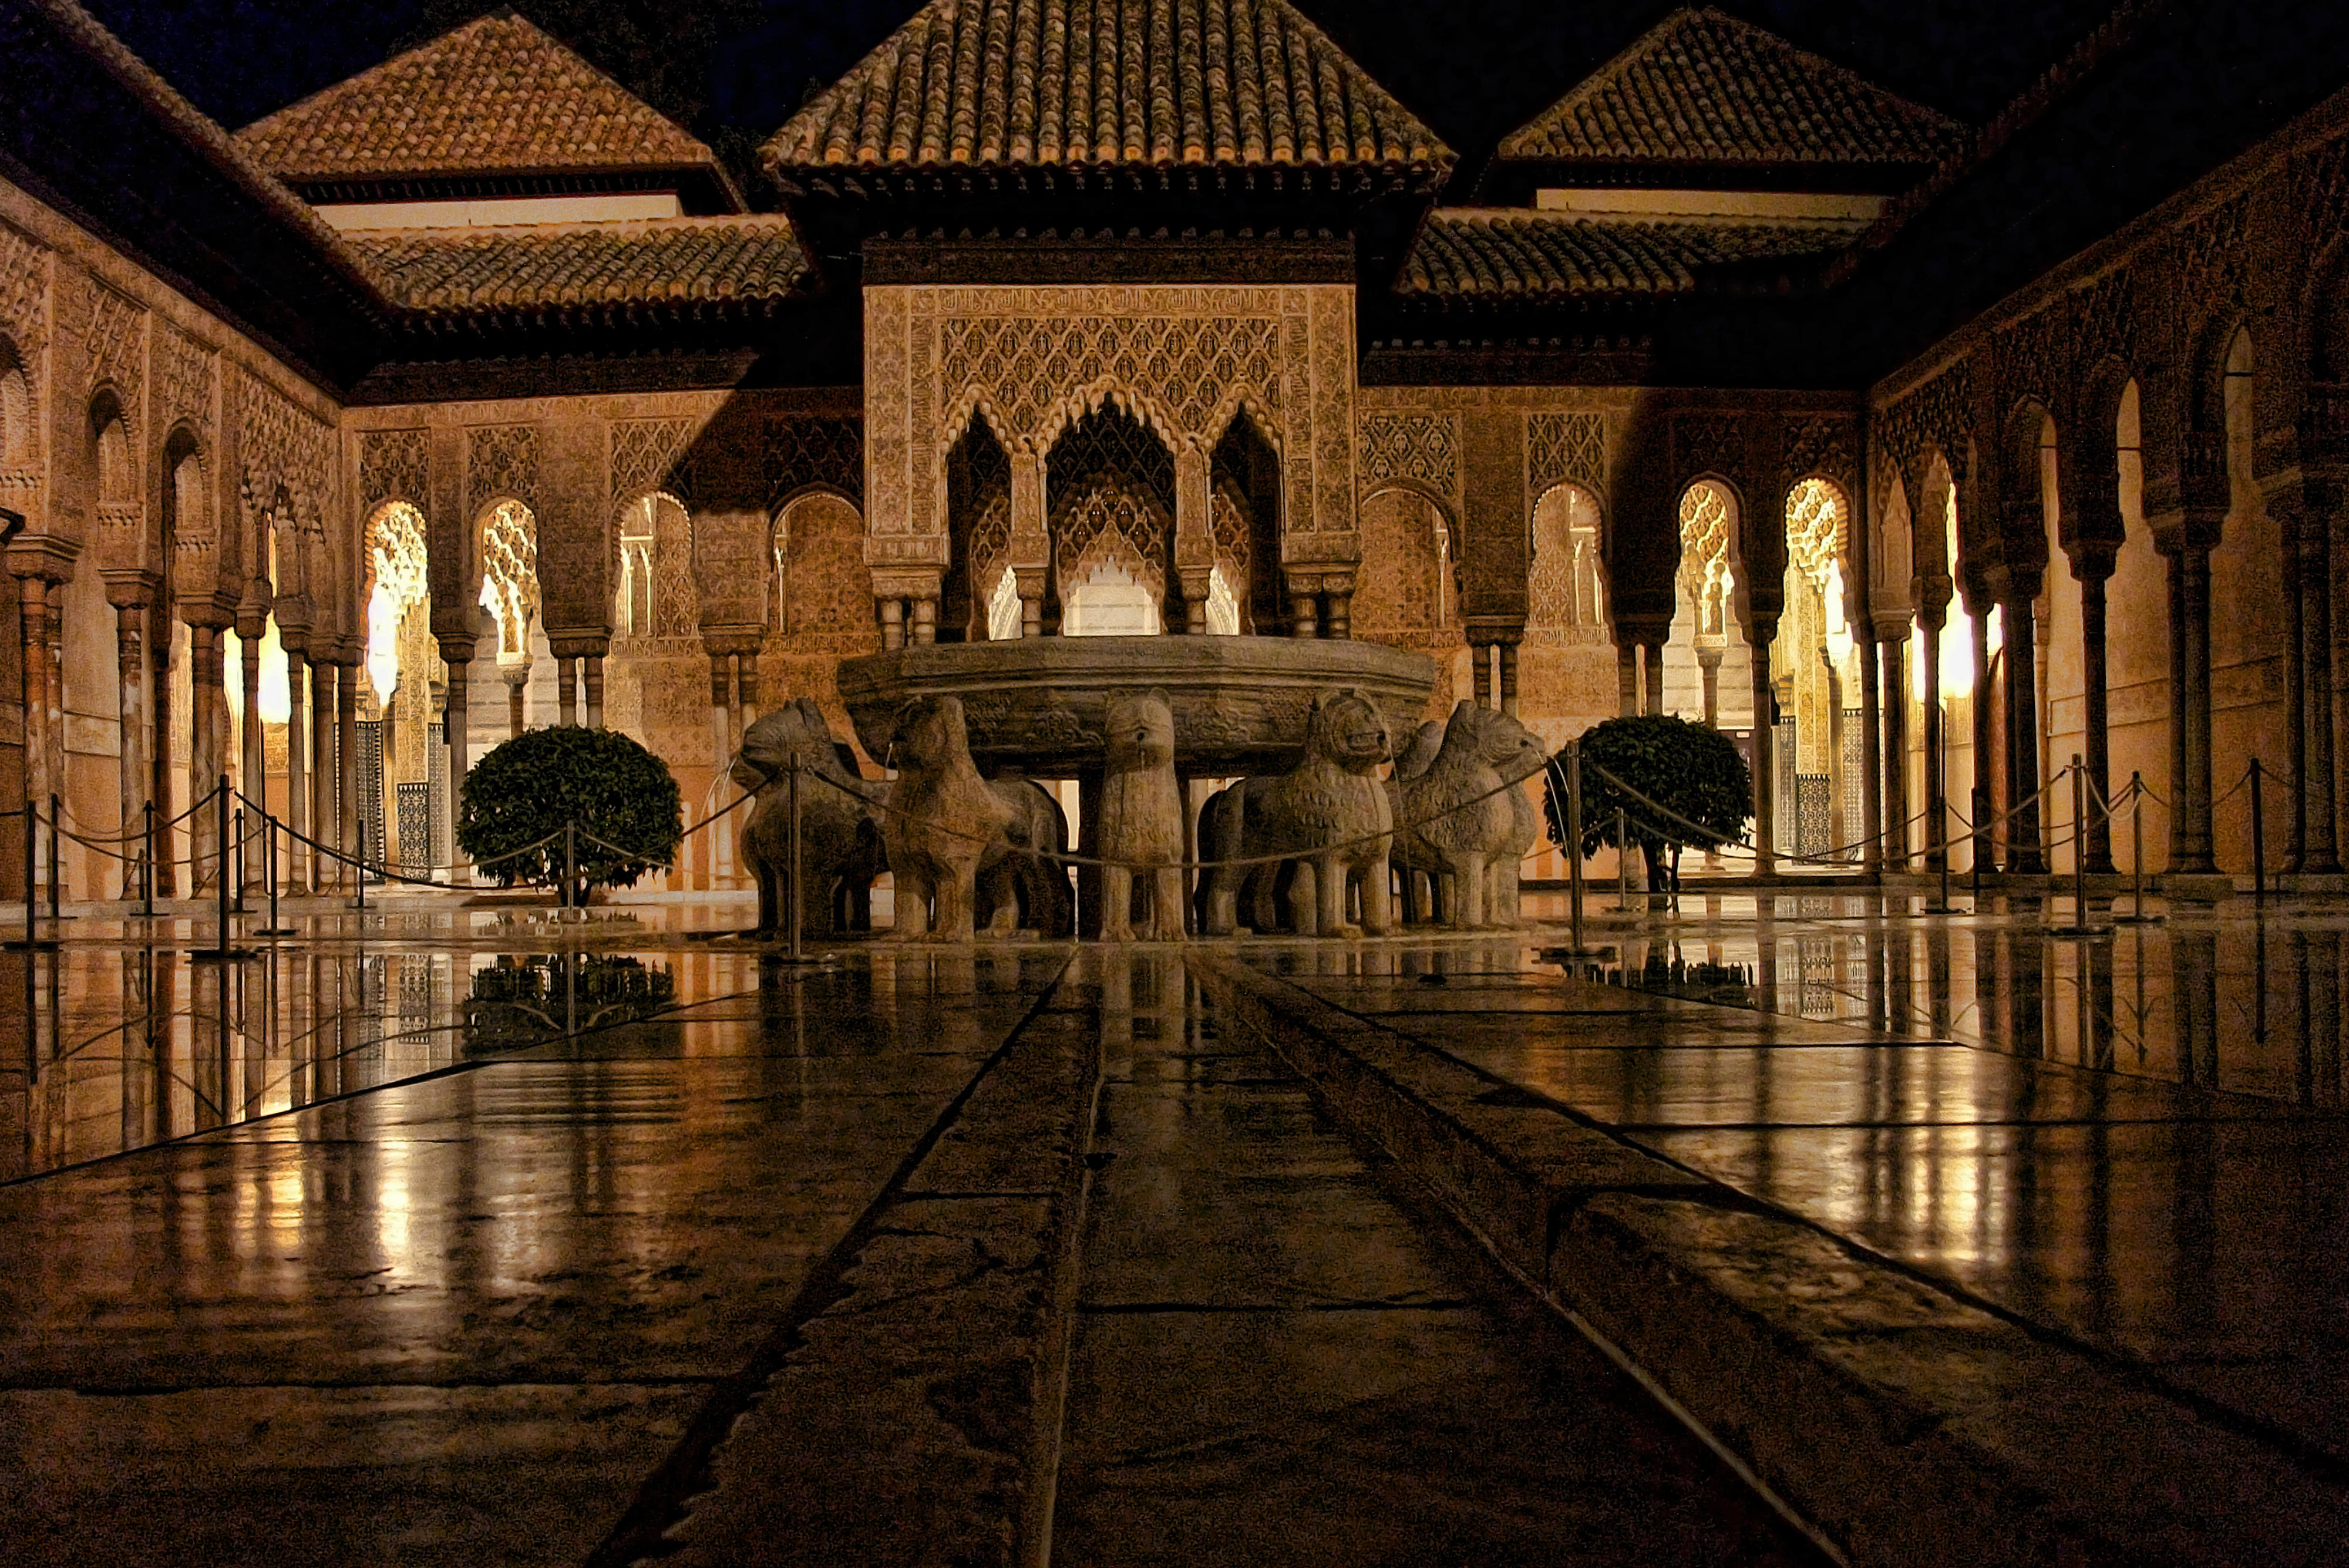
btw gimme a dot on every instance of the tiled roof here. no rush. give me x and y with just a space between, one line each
497 96
1470 252
585 268
1705 88
1093 83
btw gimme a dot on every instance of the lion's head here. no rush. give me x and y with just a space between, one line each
930 735
797 730
1140 733
1501 742
1347 728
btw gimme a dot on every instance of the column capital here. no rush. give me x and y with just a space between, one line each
456 652
42 557
725 641
132 587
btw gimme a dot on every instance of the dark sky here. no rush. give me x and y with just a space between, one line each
734 69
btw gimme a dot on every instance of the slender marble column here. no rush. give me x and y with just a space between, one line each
517 680
2026 850
1626 679
566 688
1765 751
1707 670
137 772
324 770
457 653
1304 616
347 753
33 625
1937 825
746 685
2096 748
209 761
2189 831
1481 663
2317 797
296 867
252 754
592 680
160 761
1871 746
1981 805
1891 645
1509 679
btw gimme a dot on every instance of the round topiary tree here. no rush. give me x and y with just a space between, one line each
1691 769
527 789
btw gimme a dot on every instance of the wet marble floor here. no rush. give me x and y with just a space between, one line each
430 1238
2165 1184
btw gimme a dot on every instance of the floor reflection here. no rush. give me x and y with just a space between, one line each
139 1046
2246 1003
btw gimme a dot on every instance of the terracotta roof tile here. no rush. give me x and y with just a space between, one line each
585 266
497 96
1471 252
1156 83
1705 88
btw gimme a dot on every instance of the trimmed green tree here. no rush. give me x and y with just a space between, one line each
619 796
1691 769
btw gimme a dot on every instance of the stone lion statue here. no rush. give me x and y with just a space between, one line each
836 830
1417 879
1329 813
1022 880
1141 818
942 819
1457 821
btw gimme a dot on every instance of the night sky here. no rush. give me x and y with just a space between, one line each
735 69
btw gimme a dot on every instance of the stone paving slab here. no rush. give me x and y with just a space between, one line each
1908 1423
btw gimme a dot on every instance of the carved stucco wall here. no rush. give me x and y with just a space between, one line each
1183 358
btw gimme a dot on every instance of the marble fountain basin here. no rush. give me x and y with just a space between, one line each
1038 703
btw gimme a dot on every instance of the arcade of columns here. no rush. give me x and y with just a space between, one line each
2116 504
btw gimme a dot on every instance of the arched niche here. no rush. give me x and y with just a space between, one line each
1244 529
980 580
1109 489
1817 661
653 592
2136 650
396 700
1407 590
1707 663
2251 626
823 601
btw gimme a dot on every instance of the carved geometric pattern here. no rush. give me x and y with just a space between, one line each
510 574
1704 556
1707 443
1821 446
114 346
1562 447
500 459
24 289
183 380
2213 250
644 456
1565 602
1817 530
676 607
1106 522
393 466
1107 441
1424 447
1187 365
814 450
990 544
2103 323
1231 537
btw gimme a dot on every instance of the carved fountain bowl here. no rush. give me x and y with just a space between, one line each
1038 703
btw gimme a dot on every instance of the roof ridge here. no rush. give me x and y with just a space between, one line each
1004 84
505 29
1536 139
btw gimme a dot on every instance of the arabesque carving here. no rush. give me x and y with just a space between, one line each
500 459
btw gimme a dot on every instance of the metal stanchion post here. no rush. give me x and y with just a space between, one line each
2136 917
2258 842
359 871
237 883
570 864
269 869
147 881
2079 926
1576 950
56 823
1623 862
221 952
797 912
